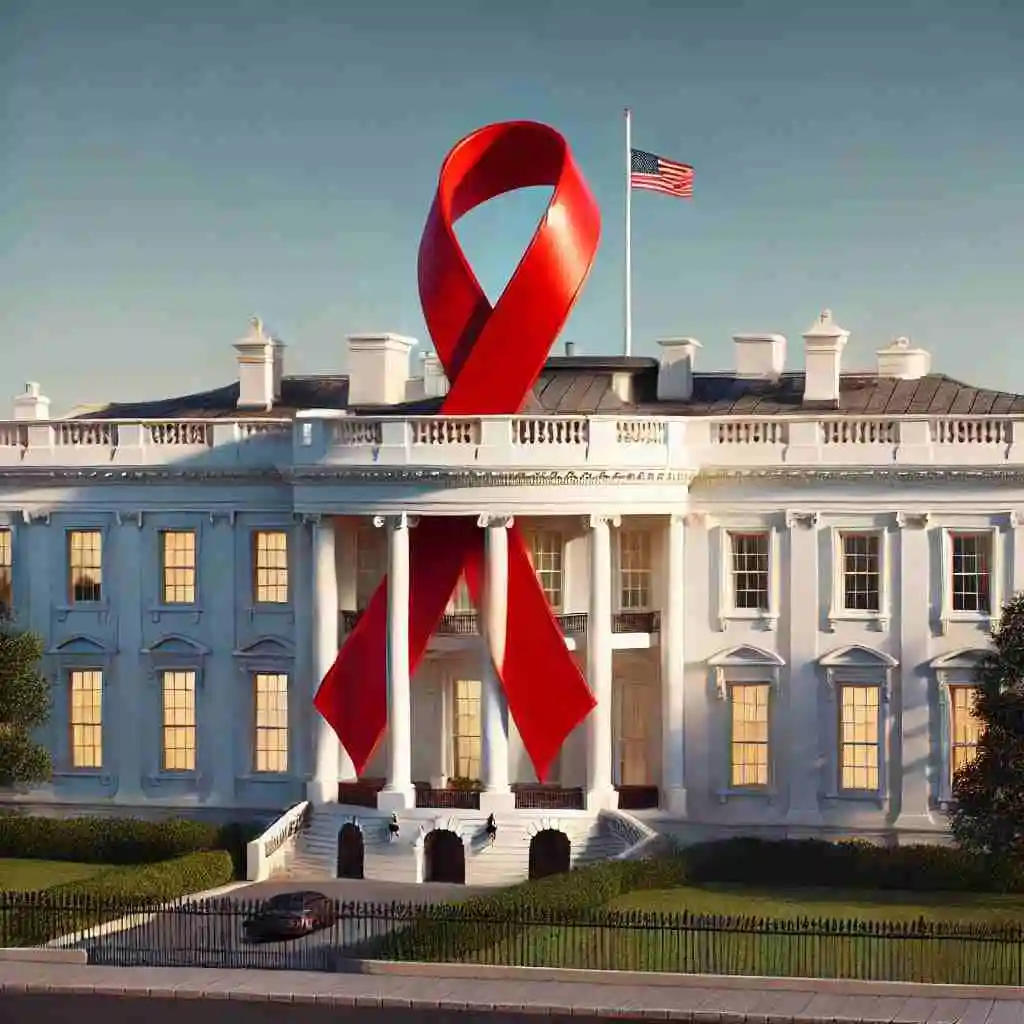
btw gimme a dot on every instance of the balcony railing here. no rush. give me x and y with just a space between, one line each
452 798
660 442
541 797
360 792
638 798
572 623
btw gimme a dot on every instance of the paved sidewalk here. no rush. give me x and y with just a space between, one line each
516 991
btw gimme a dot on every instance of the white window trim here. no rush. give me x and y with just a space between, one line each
100 524
271 656
452 718
743 664
856 665
956 669
996 584
727 610
617 571
837 611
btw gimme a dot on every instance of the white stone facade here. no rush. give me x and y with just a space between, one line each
778 613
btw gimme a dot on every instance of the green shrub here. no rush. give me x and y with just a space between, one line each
35 918
119 840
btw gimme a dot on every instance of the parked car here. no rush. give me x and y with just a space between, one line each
290 915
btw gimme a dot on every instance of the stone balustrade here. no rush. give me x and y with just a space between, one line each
519 442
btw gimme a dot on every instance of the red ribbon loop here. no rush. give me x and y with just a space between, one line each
492 357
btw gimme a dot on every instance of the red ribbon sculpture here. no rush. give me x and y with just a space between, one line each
492 357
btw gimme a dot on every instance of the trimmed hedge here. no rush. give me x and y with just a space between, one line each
119 840
36 918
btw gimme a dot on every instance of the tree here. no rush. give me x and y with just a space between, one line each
24 706
987 817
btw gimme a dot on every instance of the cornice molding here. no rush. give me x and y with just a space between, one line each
889 473
450 479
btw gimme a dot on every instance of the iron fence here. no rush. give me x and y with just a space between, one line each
211 934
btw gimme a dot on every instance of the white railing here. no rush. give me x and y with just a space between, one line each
520 442
640 839
268 854
140 442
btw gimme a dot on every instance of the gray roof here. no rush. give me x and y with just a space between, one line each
581 385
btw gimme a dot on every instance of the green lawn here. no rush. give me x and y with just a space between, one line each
33 875
863 905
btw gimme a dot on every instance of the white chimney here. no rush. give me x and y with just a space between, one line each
255 368
675 369
902 361
760 356
435 383
378 368
31 405
823 354
279 347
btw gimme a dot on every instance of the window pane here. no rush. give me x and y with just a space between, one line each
546 551
6 569
271 566
859 737
85 565
967 726
750 570
861 572
466 729
86 719
970 572
749 743
179 566
179 721
634 570
271 744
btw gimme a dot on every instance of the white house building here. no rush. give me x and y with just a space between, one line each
778 583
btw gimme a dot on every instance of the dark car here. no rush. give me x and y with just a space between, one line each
290 915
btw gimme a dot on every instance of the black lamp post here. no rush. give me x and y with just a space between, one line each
491 828
393 827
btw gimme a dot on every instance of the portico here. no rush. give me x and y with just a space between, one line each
592 762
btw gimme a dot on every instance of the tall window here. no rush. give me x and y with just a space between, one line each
6 570
546 551
966 726
179 566
750 568
466 723
86 719
971 583
371 557
85 565
179 727
859 737
460 602
749 740
634 570
271 744
862 572
270 559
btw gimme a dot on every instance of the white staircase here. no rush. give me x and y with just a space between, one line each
593 836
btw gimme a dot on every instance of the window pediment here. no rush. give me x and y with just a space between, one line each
965 658
266 647
743 656
81 643
176 644
857 656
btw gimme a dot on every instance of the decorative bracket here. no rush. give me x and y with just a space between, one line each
808 520
486 519
913 520
127 518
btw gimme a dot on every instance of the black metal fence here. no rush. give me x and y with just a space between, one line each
211 934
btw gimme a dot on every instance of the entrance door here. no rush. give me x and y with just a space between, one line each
350 851
444 857
632 724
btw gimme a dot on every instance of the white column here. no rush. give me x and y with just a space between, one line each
673 670
799 740
398 791
497 794
601 793
912 757
327 752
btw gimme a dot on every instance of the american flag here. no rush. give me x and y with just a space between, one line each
656 174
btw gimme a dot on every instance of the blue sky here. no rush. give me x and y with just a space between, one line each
166 171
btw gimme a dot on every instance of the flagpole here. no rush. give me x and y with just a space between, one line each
628 293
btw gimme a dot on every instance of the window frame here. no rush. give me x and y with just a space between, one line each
8 530
620 571
996 582
70 672
69 592
164 769
727 610
289 753
453 734
857 665
954 669
558 608
743 664
162 602
255 533
838 612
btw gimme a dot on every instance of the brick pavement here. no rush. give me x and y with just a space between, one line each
504 994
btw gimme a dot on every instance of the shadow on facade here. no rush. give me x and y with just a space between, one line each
550 853
351 851
444 857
